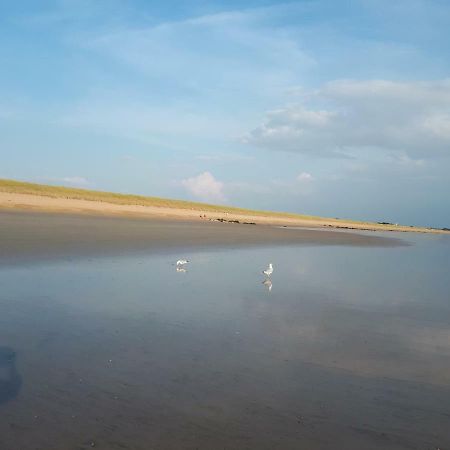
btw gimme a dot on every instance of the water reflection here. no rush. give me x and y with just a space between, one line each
10 380
268 284
98 331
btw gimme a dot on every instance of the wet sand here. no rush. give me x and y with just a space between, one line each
104 344
34 236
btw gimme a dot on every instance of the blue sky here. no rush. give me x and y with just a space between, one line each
336 108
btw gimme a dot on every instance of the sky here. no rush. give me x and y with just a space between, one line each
322 107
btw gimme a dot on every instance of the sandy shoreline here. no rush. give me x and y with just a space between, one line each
37 236
30 202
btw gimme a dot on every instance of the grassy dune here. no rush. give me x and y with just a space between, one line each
20 187
62 192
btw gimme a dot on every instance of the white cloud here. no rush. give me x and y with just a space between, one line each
247 54
205 187
305 177
438 125
411 118
245 51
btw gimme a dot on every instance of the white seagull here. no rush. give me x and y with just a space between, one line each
182 262
268 271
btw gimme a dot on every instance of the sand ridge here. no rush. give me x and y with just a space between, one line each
34 202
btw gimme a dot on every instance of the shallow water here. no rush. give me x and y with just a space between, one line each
349 349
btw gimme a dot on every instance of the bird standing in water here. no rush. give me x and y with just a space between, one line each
268 271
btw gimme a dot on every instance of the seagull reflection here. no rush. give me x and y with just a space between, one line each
181 269
268 284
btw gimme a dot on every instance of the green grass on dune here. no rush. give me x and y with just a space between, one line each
20 187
